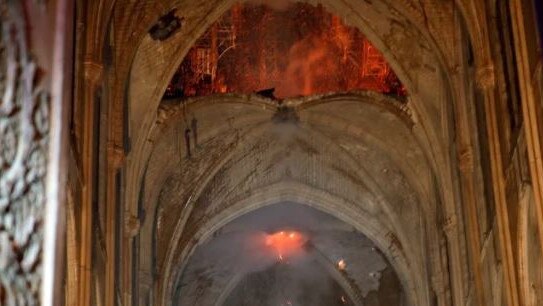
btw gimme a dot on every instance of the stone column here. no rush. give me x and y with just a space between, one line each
531 97
92 71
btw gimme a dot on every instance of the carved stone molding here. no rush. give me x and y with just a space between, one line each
450 225
485 77
466 162
24 137
115 155
93 71
132 226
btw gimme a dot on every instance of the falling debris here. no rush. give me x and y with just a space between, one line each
267 93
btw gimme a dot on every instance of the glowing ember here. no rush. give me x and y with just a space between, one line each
286 243
301 50
341 264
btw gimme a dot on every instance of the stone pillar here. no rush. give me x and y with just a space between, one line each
115 159
92 71
485 81
531 97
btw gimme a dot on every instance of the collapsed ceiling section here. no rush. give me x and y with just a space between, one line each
288 254
298 50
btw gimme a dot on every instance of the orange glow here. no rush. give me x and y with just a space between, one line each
341 264
302 50
286 243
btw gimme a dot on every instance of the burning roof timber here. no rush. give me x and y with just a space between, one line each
299 50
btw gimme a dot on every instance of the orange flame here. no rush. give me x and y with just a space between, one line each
311 53
286 243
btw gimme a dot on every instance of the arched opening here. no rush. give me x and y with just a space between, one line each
168 127
192 146
288 50
288 254
360 174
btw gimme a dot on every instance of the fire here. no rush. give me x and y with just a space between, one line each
286 243
341 265
301 50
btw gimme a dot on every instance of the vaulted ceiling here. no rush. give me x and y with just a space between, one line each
385 167
352 156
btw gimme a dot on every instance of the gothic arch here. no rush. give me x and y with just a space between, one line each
431 109
328 203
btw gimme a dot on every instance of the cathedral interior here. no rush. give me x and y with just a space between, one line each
271 152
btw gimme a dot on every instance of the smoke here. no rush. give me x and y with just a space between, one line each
303 283
241 248
297 48
309 63
314 54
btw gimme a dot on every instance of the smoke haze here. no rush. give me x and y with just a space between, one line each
239 253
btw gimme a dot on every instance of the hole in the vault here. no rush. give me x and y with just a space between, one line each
288 50
287 254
